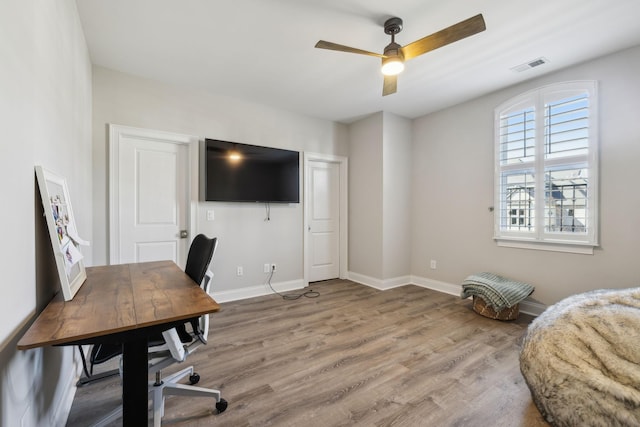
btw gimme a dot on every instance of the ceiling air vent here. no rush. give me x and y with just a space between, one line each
528 65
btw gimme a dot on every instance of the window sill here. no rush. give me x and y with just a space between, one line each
573 248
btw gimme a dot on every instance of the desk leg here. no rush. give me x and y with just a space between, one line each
135 396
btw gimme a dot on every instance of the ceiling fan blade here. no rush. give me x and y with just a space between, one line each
451 34
334 46
390 85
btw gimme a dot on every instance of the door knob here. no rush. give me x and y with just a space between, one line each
184 234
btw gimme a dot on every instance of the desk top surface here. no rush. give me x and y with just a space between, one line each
119 298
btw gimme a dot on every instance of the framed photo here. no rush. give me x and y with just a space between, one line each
62 231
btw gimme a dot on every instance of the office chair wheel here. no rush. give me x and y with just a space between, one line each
221 406
194 378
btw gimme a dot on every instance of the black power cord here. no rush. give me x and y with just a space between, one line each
308 294
267 208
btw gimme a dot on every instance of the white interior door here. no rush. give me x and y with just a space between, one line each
323 187
149 196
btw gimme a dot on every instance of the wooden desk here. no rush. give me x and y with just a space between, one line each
123 304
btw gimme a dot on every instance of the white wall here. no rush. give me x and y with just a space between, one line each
245 238
396 188
453 189
379 200
365 197
45 110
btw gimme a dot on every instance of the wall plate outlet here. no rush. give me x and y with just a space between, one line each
274 268
433 264
267 268
239 271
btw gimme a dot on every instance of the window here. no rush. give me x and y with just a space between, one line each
546 169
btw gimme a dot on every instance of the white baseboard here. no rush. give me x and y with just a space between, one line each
256 291
531 307
527 306
381 285
436 285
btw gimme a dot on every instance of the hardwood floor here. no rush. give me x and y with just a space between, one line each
354 356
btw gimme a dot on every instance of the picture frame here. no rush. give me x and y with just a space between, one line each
62 231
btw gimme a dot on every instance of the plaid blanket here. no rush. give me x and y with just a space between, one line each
498 292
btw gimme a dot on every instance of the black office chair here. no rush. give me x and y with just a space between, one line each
177 343
100 353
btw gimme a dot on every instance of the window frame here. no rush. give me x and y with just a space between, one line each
540 238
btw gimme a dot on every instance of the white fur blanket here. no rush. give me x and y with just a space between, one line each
581 360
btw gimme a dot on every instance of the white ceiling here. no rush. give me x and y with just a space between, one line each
263 50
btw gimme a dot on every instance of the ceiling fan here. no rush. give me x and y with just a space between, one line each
395 55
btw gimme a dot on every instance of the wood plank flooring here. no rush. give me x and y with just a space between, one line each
354 356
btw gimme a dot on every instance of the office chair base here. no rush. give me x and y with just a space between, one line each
168 387
171 387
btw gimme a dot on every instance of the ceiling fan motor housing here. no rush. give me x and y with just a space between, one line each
394 50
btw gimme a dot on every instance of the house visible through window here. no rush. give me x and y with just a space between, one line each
546 168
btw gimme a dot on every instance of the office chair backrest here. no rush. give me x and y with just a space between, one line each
201 329
199 257
198 260
203 332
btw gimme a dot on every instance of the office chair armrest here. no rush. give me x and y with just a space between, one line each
175 345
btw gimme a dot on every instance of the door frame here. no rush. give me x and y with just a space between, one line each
116 132
343 163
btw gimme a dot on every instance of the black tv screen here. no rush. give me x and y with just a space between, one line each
249 173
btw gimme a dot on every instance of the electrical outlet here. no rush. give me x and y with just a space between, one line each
267 268
434 264
211 215
273 268
239 271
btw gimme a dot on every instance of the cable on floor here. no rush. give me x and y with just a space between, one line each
290 297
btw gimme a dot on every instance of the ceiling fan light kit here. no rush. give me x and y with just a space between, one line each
392 66
395 55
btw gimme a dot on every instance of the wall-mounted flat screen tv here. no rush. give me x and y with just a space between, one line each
236 172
